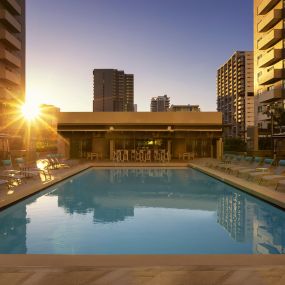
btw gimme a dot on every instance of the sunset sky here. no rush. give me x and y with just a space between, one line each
172 47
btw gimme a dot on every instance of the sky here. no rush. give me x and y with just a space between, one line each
172 47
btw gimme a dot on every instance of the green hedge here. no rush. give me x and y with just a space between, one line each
234 144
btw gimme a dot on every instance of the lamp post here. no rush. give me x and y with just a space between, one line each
272 121
271 112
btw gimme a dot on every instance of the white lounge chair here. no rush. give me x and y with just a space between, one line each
279 174
257 162
267 168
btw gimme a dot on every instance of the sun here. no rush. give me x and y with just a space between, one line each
30 111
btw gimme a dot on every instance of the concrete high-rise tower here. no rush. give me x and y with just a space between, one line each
235 95
160 104
113 91
12 61
269 58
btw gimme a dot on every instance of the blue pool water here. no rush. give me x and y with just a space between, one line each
142 211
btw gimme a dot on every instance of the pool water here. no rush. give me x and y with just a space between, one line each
142 211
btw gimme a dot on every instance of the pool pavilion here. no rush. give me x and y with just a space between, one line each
141 136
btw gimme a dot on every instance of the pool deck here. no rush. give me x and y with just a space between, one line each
141 269
266 193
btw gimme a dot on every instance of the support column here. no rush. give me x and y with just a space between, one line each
169 146
220 149
112 148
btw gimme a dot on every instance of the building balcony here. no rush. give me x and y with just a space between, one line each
9 21
265 6
9 77
13 6
270 58
5 94
11 41
9 58
270 20
271 95
270 39
270 76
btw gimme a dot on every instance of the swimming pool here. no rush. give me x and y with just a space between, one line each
142 211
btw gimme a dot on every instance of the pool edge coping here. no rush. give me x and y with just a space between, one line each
140 260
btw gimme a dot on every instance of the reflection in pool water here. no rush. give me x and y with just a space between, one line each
142 211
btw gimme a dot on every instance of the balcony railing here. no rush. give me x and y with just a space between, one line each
270 76
13 6
9 76
9 58
11 41
270 20
10 21
266 5
270 58
271 95
270 39
5 94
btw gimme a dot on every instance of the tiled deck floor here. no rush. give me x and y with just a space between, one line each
179 275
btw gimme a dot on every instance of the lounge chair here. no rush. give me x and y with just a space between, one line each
25 169
244 163
219 164
257 162
238 161
53 164
11 174
278 174
44 166
29 170
60 164
281 184
267 168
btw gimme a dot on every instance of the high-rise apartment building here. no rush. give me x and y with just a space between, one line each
160 104
12 61
113 91
269 62
235 95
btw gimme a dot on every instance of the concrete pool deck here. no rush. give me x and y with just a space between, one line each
140 269
266 193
